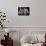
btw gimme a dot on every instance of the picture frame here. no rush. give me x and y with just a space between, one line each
23 11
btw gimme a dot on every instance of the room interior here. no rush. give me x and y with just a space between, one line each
20 29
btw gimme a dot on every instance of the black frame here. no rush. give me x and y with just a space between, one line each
23 11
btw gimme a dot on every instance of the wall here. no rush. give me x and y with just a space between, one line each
37 16
35 22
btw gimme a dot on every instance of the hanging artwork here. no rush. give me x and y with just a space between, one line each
23 11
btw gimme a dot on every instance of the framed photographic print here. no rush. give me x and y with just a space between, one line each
23 11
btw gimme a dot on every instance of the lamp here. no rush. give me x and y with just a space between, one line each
7 31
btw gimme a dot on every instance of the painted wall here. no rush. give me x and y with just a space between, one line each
36 20
37 16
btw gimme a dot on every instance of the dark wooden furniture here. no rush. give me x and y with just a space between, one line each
8 41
